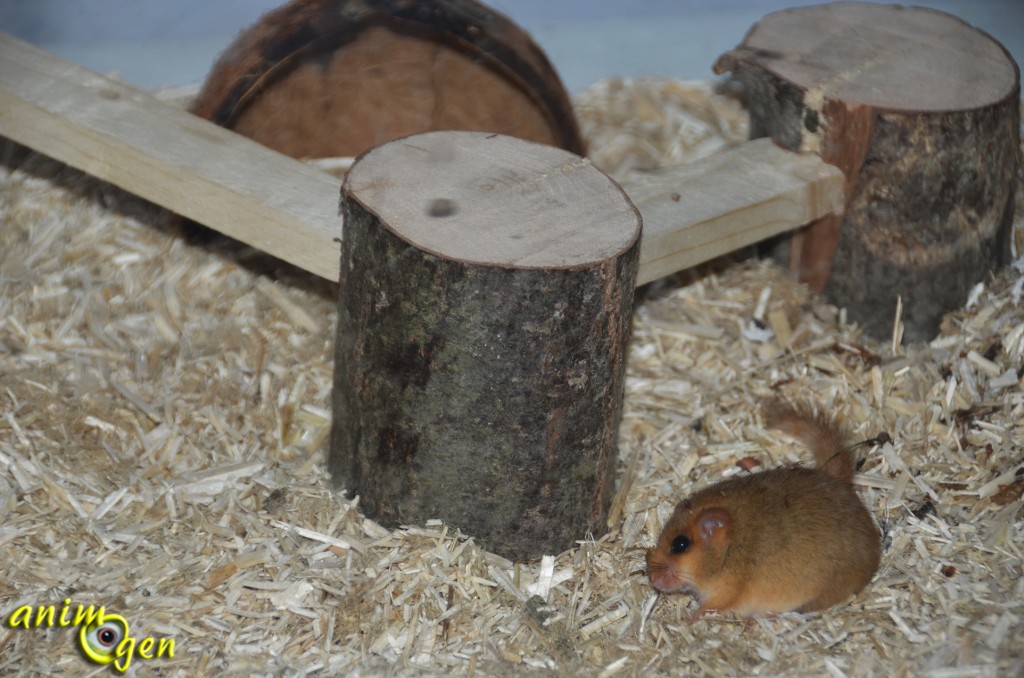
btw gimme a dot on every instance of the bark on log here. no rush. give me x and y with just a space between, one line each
484 311
920 112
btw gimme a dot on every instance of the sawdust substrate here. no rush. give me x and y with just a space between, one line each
164 408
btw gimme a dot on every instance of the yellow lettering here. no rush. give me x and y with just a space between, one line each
45 615
64 621
146 647
165 645
20 617
124 650
89 615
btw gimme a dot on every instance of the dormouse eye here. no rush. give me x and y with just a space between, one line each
679 545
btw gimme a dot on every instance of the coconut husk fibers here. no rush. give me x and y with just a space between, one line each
164 410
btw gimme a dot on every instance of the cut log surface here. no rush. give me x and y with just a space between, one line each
448 196
921 113
887 57
484 311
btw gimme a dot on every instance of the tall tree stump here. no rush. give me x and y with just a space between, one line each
920 112
484 311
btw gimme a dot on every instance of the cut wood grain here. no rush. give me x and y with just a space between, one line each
691 213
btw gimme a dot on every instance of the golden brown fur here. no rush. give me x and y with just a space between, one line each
785 539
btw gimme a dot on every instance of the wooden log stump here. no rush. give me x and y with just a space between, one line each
920 112
484 311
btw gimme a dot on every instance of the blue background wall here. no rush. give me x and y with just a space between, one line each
161 42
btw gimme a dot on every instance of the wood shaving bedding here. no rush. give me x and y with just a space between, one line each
164 409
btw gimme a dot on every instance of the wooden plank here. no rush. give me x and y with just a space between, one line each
170 157
691 213
696 212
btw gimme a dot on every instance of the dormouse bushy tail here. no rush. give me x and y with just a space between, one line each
827 439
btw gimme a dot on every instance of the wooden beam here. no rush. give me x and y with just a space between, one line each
691 213
170 157
695 212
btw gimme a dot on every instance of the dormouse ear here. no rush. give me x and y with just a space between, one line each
711 524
